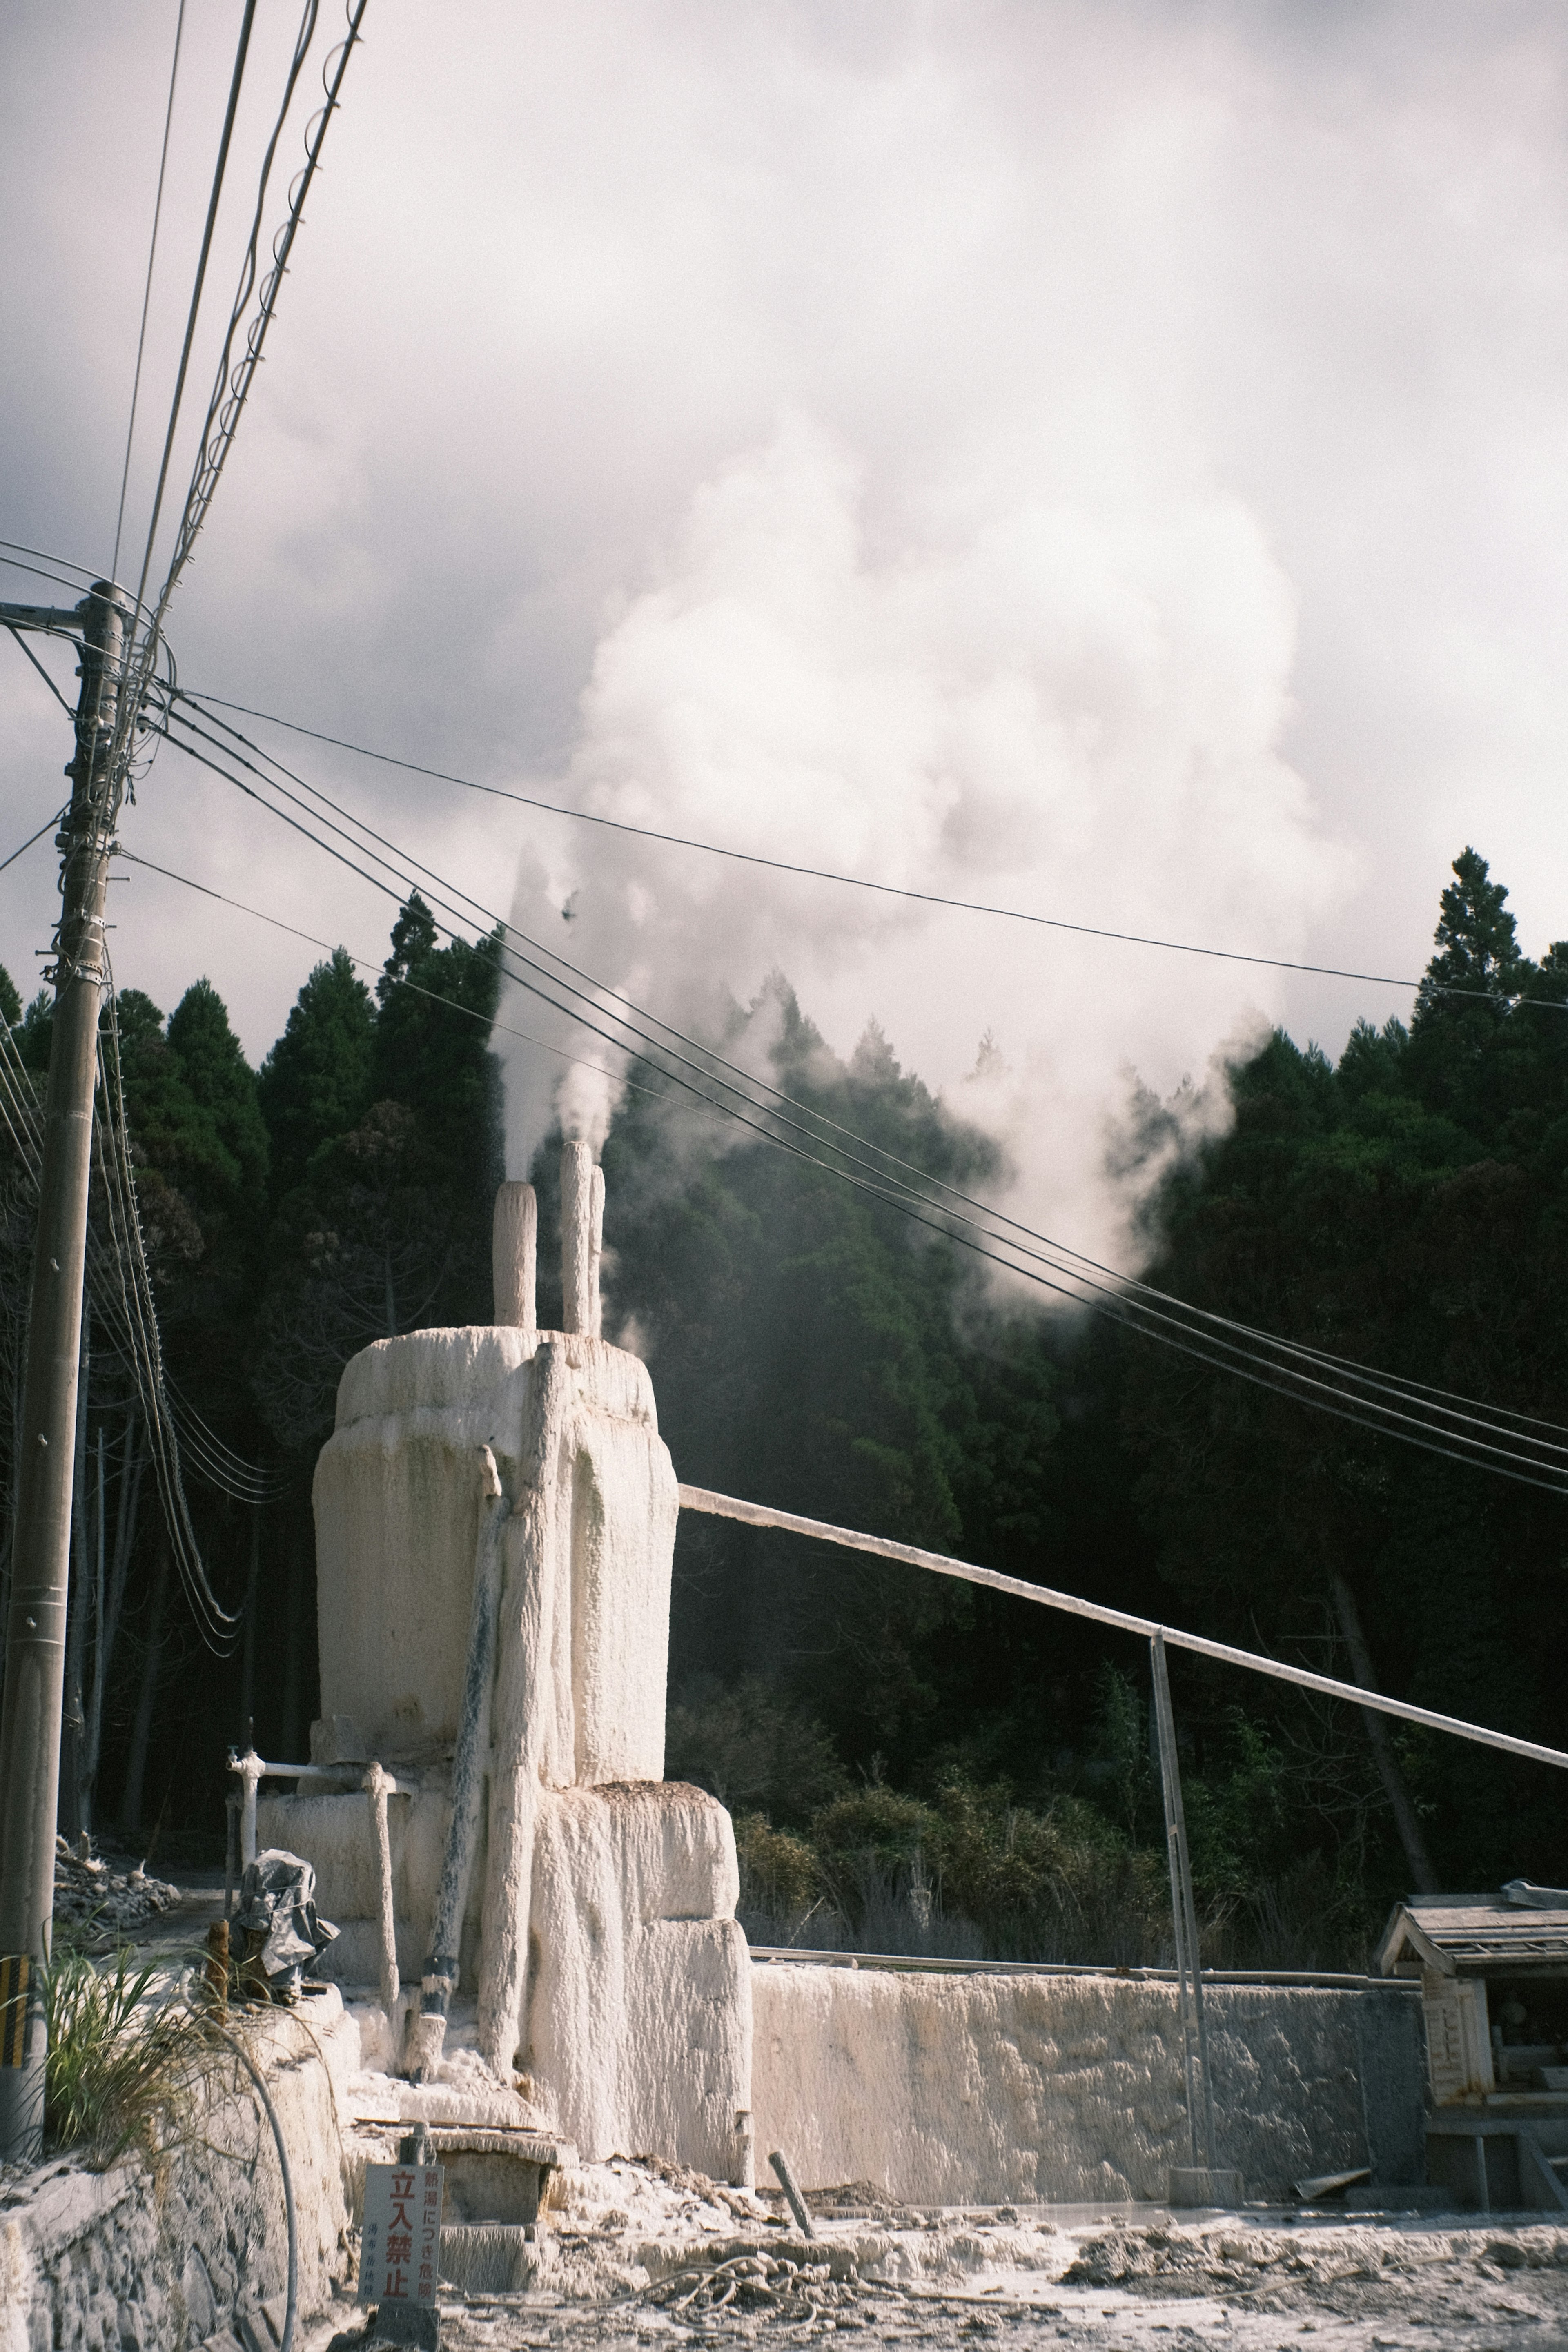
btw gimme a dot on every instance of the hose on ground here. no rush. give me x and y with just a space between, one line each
251 2068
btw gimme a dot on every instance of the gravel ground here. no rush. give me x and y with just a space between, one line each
638 2255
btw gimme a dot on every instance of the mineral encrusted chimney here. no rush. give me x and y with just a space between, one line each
582 1239
514 1250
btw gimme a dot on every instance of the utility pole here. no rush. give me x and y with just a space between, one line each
36 1652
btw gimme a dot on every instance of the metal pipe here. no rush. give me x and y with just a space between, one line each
252 1771
378 1785
758 1514
780 2163
1326 1979
230 1850
1184 1919
426 2033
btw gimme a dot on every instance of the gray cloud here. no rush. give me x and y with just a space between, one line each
1154 411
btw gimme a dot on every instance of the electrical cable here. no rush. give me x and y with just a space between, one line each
1113 1305
229 395
147 290
217 1625
1117 1284
208 466
43 673
202 2012
1228 1349
369 963
86 575
22 1116
864 882
236 79
32 837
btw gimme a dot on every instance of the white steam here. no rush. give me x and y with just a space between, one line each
1068 708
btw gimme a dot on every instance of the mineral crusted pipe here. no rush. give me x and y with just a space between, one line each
514 1255
230 1850
378 1785
780 2163
596 1251
582 1239
525 1718
250 1769
426 2035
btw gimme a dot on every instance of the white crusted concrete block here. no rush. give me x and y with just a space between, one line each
949 2089
638 2027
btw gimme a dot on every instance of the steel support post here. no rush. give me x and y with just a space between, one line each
1184 1918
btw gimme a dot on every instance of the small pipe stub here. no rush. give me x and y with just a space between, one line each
780 2163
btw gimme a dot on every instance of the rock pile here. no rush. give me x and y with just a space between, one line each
89 1893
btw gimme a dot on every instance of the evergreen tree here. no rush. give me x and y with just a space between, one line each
36 1030
315 1084
227 1151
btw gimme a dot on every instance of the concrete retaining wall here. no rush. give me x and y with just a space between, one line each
948 2089
130 2261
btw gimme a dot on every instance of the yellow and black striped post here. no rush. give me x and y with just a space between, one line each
22 2043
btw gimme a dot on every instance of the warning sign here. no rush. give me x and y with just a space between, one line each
400 2245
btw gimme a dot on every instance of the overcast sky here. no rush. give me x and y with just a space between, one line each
1108 460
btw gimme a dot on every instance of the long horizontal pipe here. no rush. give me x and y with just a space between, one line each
758 1514
918 1963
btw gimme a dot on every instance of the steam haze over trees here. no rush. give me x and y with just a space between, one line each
907 1758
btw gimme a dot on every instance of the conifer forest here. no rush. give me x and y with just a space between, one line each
912 1764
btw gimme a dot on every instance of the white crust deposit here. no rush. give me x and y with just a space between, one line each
600 1927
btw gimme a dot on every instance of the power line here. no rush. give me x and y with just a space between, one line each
1408 1392
228 397
235 78
126 1307
1286 1371
32 837
1134 1313
861 881
43 673
368 963
147 291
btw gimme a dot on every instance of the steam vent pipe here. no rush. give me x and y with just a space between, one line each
582 1239
514 1255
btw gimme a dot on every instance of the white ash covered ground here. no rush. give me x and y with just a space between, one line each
634 2254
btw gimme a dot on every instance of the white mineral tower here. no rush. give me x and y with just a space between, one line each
501 1656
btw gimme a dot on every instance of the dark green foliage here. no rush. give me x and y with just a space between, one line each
38 1028
10 1003
750 1747
800 1336
913 1758
315 1084
1406 1211
389 1134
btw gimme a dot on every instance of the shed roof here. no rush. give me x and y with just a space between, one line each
1471 1934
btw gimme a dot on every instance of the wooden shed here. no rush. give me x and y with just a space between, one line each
1493 1971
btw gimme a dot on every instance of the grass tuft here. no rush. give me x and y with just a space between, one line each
122 2068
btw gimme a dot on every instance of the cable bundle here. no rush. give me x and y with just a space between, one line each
1510 1444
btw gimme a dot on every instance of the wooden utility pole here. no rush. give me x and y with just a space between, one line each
35 1651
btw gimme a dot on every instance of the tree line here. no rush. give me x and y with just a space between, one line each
976 1768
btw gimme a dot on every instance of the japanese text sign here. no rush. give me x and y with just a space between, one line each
400 2244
